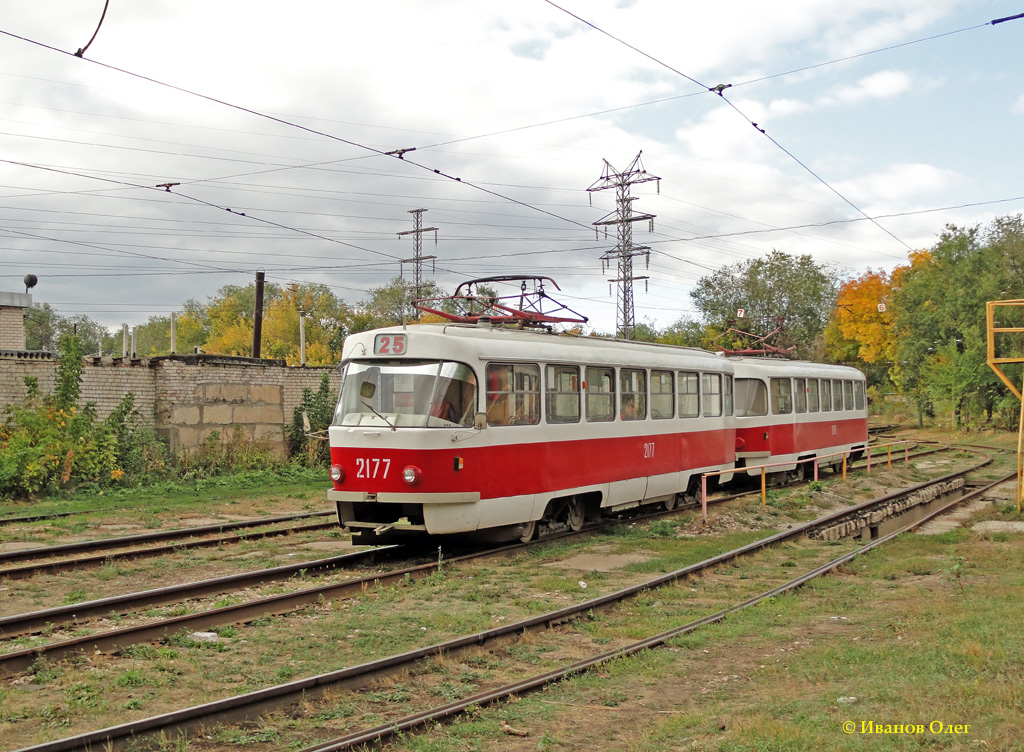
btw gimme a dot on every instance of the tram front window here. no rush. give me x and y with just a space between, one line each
406 394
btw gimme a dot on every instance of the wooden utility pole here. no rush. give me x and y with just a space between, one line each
257 317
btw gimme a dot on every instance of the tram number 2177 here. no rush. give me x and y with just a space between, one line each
372 467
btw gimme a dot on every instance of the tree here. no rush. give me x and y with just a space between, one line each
688 333
778 287
327 319
391 304
231 315
193 326
44 328
861 327
939 325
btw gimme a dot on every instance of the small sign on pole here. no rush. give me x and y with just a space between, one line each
739 313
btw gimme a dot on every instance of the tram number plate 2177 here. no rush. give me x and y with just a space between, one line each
390 344
372 467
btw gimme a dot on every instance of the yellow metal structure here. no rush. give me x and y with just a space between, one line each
996 365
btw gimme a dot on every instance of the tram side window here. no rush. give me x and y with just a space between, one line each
662 395
858 395
837 394
513 394
689 394
826 395
848 394
800 395
782 396
812 395
751 398
563 394
727 396
600 394
633 394
712 391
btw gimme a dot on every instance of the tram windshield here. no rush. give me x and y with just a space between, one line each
407 394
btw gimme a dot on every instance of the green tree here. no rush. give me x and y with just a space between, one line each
44 328
939 325
391 304
688 333
778 287
192 329
316 408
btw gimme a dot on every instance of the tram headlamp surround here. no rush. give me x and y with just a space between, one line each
337 473
412 475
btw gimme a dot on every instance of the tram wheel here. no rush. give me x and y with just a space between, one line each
529 529
670 503
576 514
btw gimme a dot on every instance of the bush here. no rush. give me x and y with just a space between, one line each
236 454
312 448
49 443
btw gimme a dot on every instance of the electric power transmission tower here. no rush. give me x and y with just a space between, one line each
417 254
624 253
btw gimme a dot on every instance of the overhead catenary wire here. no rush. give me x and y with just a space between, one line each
666 240
720 90
395 154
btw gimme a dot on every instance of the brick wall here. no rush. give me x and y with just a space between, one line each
12 328
186 398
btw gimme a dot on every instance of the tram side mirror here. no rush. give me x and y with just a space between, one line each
367 389
480 421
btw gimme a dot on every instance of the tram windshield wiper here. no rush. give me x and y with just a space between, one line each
367 404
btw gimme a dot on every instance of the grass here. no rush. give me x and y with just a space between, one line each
770 678
793 661
291 482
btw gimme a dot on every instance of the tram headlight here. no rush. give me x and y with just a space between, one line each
412 475
337 473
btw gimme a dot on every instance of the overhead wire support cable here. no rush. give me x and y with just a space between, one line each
397 154
162 188
997 21
719 89
81 50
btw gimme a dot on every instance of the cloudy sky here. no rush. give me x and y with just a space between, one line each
907 112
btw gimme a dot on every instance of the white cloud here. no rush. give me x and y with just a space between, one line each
900 184
1017 108
881 85
404 73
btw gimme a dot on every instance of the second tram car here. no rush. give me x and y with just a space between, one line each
472 429
797 413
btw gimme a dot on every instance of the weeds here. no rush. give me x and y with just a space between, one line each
957 571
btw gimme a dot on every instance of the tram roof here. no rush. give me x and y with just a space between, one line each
498 343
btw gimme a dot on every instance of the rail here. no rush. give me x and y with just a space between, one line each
815 461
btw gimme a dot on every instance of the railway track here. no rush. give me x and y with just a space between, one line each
106 641
186 538
254 703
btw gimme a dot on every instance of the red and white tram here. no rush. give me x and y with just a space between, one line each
453 428
797 413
